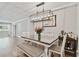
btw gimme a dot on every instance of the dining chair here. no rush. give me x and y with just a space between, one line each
71 45
58 49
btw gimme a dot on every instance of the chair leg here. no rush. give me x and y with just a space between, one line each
62 54
49 54
52 54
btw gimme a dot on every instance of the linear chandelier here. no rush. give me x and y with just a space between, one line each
42 15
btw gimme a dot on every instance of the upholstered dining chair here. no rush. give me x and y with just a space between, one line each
58 49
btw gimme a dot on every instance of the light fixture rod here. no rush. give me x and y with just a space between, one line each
42 3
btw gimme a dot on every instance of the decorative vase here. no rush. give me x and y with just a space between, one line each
38 31
39 36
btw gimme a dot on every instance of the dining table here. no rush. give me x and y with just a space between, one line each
46 41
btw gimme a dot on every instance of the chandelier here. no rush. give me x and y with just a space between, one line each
42 15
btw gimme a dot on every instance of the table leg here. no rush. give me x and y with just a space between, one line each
46 51
50 54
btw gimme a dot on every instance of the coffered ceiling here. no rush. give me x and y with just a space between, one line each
14 11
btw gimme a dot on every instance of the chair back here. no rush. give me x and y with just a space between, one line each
63 45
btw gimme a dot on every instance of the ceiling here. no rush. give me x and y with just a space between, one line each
14 11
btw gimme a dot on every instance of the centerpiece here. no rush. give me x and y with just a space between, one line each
38 30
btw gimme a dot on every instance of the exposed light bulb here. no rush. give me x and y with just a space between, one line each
45 16
41 16
48 15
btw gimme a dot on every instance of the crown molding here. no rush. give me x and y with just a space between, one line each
24 19
64 6
3 21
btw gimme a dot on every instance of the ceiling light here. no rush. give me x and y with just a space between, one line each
43 15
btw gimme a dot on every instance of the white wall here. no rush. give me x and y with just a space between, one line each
70 19
78 23
22 26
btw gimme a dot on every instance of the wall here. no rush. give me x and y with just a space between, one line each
78 23
22 26
70 19
65 20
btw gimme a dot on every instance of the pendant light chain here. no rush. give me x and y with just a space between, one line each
43 10
43 14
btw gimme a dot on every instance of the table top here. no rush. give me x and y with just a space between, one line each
46 41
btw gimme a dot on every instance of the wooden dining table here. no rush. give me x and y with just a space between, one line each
46 42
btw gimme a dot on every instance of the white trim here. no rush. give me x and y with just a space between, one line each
64 6
20 20
5 21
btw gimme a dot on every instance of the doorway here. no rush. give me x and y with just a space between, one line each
5 39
